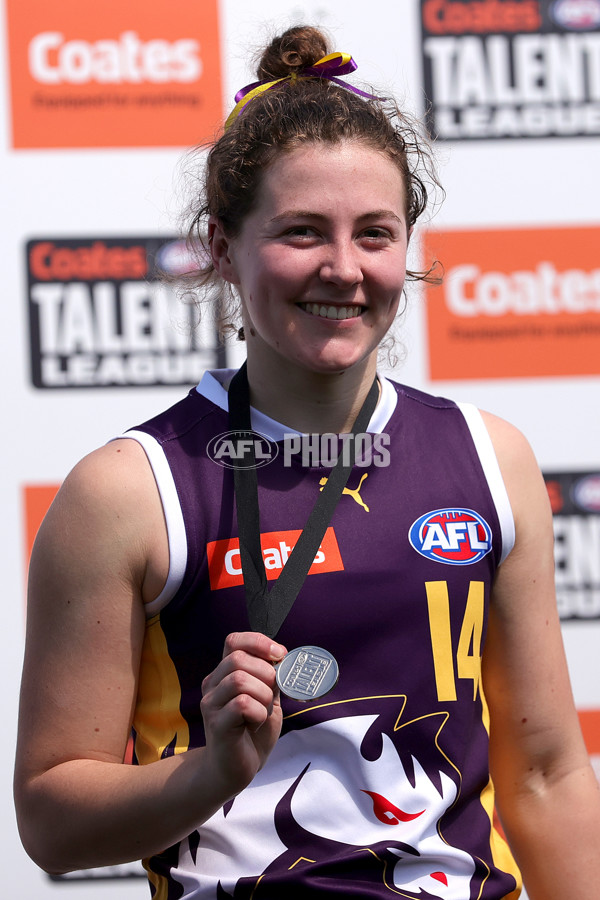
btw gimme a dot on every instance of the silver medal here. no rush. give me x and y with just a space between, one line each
307 673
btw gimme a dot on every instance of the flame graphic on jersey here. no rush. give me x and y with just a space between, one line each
387 813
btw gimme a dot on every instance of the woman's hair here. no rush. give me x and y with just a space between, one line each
278 120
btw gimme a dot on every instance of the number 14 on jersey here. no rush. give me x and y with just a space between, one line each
465 663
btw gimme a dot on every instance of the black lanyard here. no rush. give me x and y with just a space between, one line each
267 609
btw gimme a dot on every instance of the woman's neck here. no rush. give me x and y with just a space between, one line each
311 401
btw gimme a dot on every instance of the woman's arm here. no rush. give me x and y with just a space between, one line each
548 797
101 553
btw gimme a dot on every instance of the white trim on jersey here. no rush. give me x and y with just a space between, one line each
173 517
491 469
212 388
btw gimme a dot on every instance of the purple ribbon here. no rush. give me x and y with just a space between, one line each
324 69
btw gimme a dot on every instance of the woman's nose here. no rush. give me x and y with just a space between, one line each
341 265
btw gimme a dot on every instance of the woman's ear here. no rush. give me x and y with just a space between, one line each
220 247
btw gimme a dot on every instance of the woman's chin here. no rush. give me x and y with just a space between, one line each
336 364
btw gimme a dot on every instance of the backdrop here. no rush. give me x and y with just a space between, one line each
101 103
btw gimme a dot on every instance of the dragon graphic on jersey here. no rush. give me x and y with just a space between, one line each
350 806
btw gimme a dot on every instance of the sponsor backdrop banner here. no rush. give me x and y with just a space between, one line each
141 75
514 303
575 499
101 313
101 106
511 68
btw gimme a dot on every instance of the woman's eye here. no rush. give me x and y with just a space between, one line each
376 233
300 231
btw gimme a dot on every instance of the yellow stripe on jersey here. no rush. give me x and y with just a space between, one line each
501 855
157 720
158 882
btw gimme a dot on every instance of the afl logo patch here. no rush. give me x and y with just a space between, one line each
458 537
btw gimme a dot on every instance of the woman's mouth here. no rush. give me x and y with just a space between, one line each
332 312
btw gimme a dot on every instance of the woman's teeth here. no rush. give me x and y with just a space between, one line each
332 312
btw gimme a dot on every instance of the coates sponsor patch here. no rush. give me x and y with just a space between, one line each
458 537
225 567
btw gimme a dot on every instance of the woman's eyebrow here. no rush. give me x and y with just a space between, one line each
297 214
310 214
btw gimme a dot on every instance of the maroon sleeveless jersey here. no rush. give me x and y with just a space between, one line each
381 787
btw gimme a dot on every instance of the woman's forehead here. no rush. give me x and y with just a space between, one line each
346 172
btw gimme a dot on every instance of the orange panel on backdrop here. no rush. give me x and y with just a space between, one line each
36 501
590 726
514 303
114 74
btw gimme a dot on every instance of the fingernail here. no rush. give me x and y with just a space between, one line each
277 651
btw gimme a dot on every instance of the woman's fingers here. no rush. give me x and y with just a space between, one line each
240 707
254 643
243 684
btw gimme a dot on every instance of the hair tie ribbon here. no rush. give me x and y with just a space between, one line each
329 67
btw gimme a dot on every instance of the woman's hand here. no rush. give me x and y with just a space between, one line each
241 708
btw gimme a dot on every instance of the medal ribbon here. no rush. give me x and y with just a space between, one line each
267 609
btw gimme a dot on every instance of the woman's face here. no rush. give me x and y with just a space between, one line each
320 261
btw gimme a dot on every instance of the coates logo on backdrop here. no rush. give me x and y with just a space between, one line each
511 68
575 502
514 303
458 537
115 75
100 315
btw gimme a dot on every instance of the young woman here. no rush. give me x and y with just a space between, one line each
422 622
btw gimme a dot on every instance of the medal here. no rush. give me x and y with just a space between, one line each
307 673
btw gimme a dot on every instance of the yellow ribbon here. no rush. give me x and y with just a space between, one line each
327 67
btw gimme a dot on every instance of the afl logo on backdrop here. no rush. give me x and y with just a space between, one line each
586 493
576 15
458 537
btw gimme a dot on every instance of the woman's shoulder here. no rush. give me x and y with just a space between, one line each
512 447
522 476
109 502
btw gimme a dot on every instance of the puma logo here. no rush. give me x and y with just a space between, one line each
352 492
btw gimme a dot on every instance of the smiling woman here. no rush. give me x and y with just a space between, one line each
411 577
319 273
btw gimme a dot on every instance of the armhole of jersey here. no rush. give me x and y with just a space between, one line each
173 518
489 462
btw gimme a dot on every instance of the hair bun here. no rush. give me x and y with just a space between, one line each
295 49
